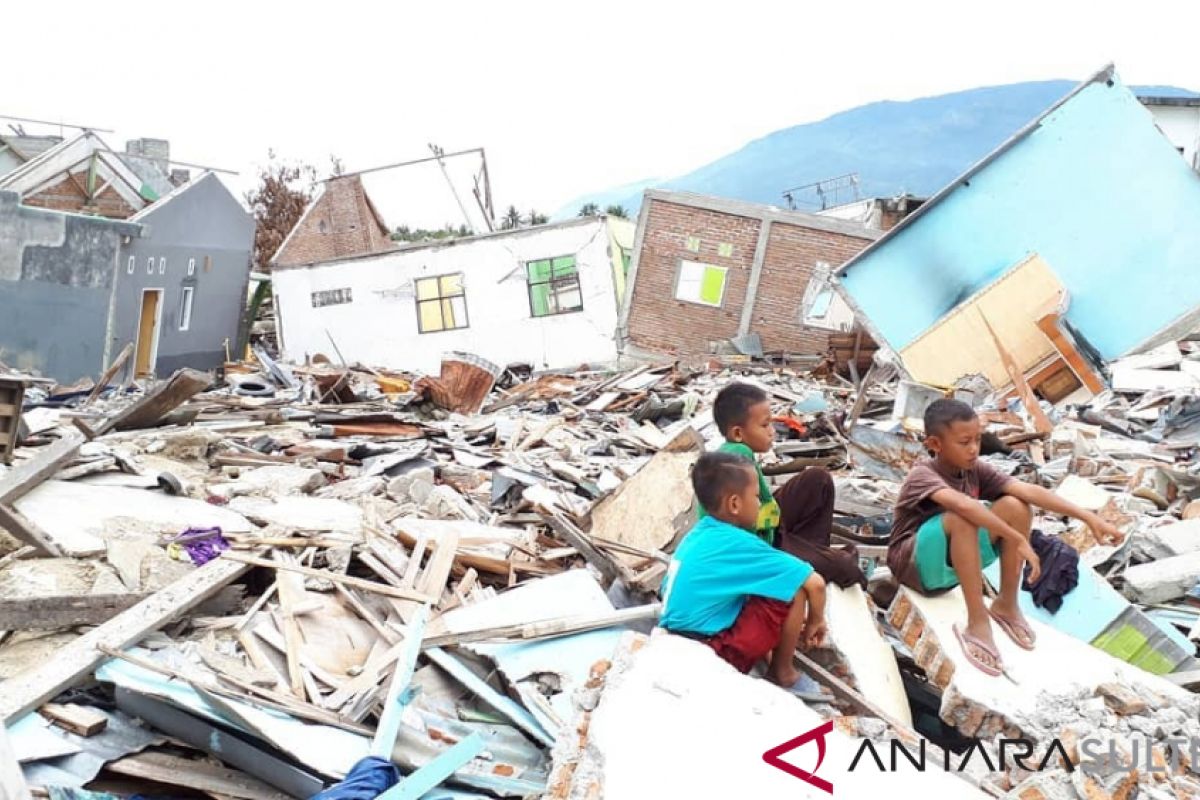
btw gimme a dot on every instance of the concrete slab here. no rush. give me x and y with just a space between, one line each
302 513
284 480
856 652
1162 580
1056 674
674 720
80 518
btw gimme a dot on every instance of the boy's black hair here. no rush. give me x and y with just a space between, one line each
733 404
941 414
717 475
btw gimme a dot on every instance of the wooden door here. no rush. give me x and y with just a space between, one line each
147 340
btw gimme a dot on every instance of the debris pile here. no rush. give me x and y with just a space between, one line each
246 587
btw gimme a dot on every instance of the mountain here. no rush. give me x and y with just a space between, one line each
916 146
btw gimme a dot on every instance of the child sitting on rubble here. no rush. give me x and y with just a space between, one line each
956 515
728 588
798 518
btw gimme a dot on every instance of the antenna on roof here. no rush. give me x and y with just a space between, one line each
830 192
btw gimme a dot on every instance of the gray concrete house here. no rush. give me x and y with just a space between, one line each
76 289
181 286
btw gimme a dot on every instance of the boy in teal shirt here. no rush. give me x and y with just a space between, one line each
798 518
731 590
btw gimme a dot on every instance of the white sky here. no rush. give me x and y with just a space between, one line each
566 97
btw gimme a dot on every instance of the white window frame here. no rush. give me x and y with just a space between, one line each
686 265
820 284
191 267
150 265
162 265
132 266
185 307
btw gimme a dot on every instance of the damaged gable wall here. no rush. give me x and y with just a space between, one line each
56 279
1094 189
368 305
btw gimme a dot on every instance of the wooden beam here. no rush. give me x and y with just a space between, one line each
24 478
29 689
609 567
108 375
417 784
1041 423
27 530
546 629
1064 343
333 577
147 412
398 695
63 610
78 719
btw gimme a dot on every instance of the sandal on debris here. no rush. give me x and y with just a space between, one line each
972 645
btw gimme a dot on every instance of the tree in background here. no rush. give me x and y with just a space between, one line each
537 219
277 203
589 210
617 211
511 219
404 233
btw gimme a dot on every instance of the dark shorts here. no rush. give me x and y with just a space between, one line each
754 634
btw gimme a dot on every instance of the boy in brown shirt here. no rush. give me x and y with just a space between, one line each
956 515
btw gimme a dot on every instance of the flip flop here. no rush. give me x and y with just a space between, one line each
1012 628
967 641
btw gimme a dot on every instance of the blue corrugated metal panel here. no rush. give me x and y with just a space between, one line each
1095 189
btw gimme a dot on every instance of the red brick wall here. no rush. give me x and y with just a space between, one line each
792 252
339 225
657 321
67 196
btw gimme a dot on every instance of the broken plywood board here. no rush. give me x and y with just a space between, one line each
203 776
654 506
705 712
856 652
35 686
983 706
959 343
160 401
117 512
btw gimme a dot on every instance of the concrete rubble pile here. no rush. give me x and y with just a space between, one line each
241 587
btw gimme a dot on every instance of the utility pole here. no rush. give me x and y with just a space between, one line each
438 154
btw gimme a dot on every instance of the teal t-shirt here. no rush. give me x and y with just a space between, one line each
716 568
768 511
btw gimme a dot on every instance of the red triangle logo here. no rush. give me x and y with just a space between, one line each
818 734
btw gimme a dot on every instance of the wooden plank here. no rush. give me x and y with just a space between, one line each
1041 423
172 393
609 567
202 776
63 610
563 626
25 529
12 780
75 718
333 577
23 478
291 596
108 374
398 695
29 689
429 777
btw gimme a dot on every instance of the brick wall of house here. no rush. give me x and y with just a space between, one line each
341 223
67 195
792 252
657 321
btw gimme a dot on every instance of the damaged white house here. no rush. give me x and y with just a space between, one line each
548 296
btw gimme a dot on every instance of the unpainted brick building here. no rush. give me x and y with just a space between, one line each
706 270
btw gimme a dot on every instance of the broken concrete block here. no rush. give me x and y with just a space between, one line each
275 481
984 706
856 652
351 489
1121 699
413 486
1176 539
1162 580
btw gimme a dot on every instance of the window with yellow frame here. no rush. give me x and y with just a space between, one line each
441 303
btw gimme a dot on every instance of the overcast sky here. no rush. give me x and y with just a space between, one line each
566 97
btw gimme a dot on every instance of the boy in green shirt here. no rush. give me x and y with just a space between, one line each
799 517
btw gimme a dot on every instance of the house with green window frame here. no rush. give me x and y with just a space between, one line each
548 296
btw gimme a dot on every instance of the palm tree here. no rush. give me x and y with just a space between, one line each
537 219
589 210
617 211
511 219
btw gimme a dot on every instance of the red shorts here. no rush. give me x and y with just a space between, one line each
754 634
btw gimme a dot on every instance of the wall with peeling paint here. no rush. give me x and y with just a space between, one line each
56 280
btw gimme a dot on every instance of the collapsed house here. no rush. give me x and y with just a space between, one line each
103 253
546 295
707 270
1037 260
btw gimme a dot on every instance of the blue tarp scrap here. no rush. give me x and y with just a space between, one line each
368 779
